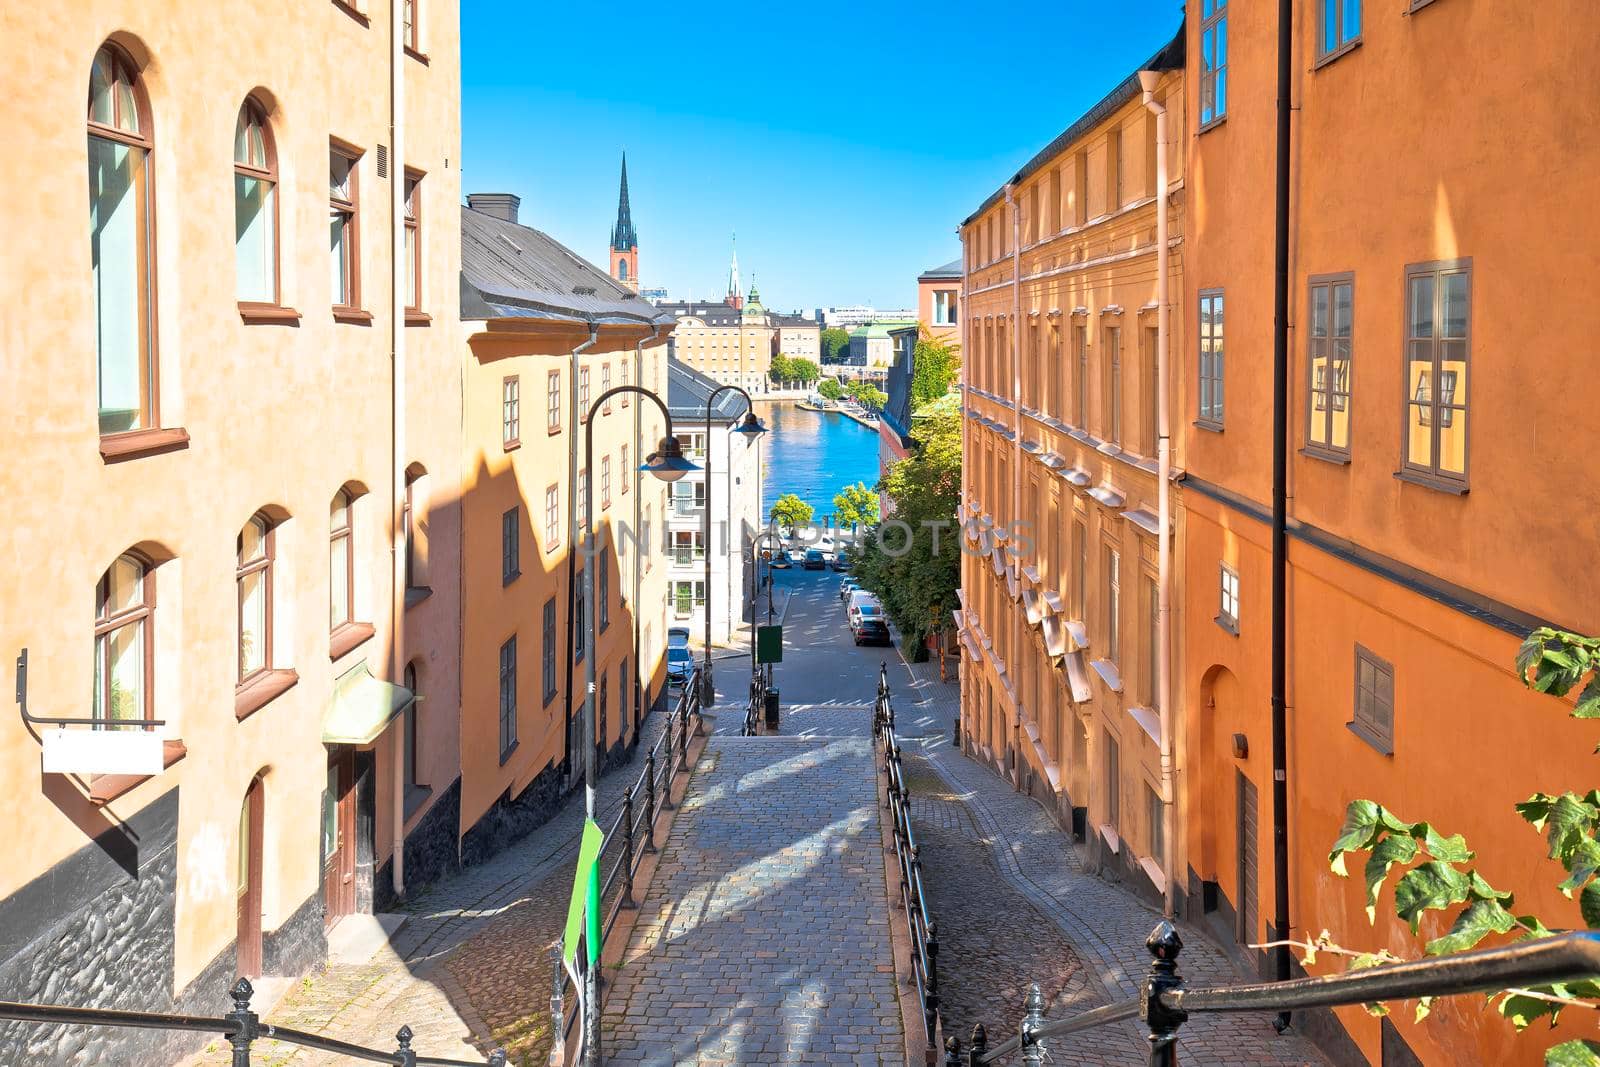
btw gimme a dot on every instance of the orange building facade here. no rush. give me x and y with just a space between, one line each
1059 321
232 481
1438 503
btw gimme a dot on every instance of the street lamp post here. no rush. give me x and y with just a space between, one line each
755 592
668 464
750 427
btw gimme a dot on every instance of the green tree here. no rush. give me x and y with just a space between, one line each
830 389
934 370
1436 872
789 511
835 344
867 395
918 585
856 505
782 369
802 370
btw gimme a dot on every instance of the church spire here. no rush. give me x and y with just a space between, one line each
623 238
735 296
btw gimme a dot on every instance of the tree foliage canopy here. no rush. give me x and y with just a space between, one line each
856 505
934 367
835 344
789 511
867 395
830 389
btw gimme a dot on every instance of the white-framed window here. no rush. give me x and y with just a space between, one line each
1228 598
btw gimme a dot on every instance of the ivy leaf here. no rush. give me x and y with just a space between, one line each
1536 810
1535 927
1570 817
1530 650
1430 886
1522 1011
1424 1006
1575 1053
1478 921
1582 864
1385 854
1589 700
1360 827
1478 889
1558 670
1589 905
1450 849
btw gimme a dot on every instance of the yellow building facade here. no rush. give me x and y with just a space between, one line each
1059 321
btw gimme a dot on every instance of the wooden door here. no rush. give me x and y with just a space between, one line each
1247 922
251 815
338 837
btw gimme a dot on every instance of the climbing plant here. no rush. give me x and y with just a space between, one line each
1435 872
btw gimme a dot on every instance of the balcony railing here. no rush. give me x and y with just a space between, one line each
688 505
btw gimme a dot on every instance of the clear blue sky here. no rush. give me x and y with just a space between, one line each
842 141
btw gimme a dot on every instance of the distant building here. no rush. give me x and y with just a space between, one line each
849 318
731 341
797 337
939 301
624 256
894 421
654 294
872 347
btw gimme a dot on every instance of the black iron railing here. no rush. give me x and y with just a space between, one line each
913 901
1165 1003
629 838
242 1028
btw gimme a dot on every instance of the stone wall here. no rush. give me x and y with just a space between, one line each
513 817
431 850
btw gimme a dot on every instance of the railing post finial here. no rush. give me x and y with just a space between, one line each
1162 1021
980 1045
248 1028
952 1051
403 1036
1032 1020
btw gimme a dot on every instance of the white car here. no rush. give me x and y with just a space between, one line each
862 603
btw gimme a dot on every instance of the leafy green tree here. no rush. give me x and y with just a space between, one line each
802 370
782 369
835 344
1436 872
934 370
789 511
867 395
830 389
856 505
918 585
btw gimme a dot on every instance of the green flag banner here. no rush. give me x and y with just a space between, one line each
769 644
588 854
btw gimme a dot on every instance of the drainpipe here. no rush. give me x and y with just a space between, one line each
641 681
966 470
1280 478
1148 79
397 332
572 531
1015 648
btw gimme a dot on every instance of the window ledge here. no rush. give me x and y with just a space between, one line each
1152 870
1207 127
1230 625
108 787
1149 720
511 446
1326 455
116 447
416 594
1108 674
1208 424
420 57
1343 49
1384 746
260 691
346 637
268 315
418 318
553 430
506 753
352 316
1429 482
352 12
416 795
507 579
1108 834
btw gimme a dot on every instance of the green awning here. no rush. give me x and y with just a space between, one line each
362 707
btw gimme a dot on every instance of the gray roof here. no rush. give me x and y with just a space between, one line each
716 313
791 321
1170 57
687 393
514 271
951 269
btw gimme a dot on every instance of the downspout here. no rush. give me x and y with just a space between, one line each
397 399
572 535
966 466
1148 79
1280 477
641 680
1014 650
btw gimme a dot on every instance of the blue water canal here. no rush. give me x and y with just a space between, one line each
814 454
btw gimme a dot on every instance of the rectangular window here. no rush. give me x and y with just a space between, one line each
687 596
510 412
626 471
552 517
1113 781
625 382
1113 384
1438 317
605 482
1111 562
344 261
548 651
1114 183
1228 599
1211 362
552 401
510 546
944 307
1149 386
1213 60
583 496
1080 344
688 547
1340 26
508 697
603 593
1080 188
1155 824
1080 566
1374 704
605 385
1150 697
1054 206
413 242
410 36
583 395
1328 344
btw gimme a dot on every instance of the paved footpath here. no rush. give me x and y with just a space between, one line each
996 864
764 938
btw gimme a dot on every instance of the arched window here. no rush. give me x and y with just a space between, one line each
622 269
255 211
253 574
121 253
124 600
341 561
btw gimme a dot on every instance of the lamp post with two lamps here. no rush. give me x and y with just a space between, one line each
750 427
668 464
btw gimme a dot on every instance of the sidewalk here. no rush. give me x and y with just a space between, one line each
1037 871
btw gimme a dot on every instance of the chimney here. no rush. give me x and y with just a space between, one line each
500 205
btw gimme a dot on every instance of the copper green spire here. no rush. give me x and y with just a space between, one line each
623 238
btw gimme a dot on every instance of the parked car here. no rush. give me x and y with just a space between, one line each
840 563
680 664
814 560
863 604
846 587
781 560
678 637
869 627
